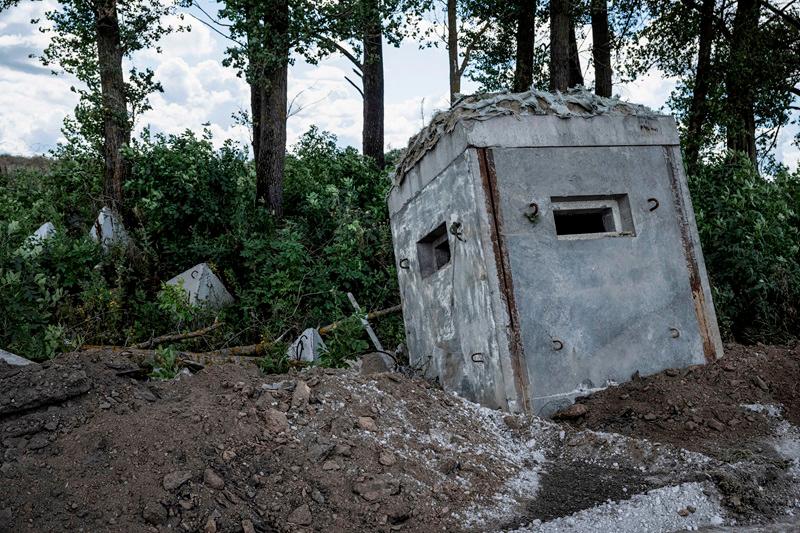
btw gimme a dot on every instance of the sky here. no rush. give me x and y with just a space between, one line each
199 91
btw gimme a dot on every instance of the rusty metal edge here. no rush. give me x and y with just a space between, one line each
695 283
515 346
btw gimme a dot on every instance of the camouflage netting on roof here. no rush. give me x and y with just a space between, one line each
577 102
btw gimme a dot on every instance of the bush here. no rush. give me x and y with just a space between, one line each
192 203
749 227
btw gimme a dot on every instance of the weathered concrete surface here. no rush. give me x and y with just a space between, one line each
308 347
203 287
108 229
14 360
552 315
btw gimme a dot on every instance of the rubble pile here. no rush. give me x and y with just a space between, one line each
88 442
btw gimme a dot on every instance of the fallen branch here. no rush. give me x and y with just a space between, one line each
177 336
324 330
142 356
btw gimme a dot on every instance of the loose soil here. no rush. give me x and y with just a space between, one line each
88 444
702 408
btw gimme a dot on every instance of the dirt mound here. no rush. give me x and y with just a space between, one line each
721 409
87 443
228 449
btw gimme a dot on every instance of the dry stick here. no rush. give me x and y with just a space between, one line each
324 330
177 337
142 355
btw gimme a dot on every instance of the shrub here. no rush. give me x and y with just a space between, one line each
749 227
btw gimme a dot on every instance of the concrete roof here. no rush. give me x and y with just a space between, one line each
577 102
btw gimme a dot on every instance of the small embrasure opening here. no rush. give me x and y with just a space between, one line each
433 250
583 221
588 217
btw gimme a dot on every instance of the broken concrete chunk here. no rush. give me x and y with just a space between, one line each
108 229
309 346
14 360
44 232
203 287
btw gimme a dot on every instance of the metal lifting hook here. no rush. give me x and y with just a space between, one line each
455 229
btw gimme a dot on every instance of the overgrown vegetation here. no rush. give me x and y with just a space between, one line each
193 204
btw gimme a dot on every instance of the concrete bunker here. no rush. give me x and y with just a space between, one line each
546 246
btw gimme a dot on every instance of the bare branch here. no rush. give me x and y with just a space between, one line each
356 86
787 18
216 30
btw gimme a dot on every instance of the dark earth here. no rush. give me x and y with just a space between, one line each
87 443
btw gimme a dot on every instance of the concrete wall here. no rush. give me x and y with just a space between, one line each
451 329
552 316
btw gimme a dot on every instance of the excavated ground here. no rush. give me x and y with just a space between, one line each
88 444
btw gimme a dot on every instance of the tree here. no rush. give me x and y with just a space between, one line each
559 45
575 71
601 48
734 92
90 39
698 111
357 29
526 35
264 33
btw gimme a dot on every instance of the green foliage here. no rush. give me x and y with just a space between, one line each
750 231
193 203
165 365
345 343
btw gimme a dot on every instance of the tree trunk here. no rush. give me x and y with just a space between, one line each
526 33
698 110
559 45
116 127
271 125
255 117
452 49
372 133
601 48
741 127
575 72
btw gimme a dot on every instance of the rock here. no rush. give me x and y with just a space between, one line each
213 480
320 452
247 527
716 425
691 426
376 363
760 383
330 465
691 508
572 412
154 513
671 372
377 488
513 422
175 479
650 417
105 405
38 442
448 466
35 386
275 421
301 395
211 525
683 512
301 516
228 455
317 496
367 423
387 459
